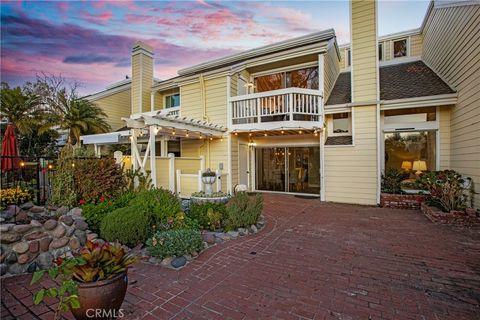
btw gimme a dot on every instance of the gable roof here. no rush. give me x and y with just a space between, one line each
398 81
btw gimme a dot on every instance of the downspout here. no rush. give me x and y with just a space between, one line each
203 96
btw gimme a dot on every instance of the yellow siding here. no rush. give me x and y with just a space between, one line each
162 172
159 101
387 50
142 81
136 75
234 164
416 45
452 48
444 133
331 69
116 106
191 98
188 185
187 165
217 154
364 46
216 98
351 172
191 148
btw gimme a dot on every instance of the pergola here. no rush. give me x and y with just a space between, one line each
159 123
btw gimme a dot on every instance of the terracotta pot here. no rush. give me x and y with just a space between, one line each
101 299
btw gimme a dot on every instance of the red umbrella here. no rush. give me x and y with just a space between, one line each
9 149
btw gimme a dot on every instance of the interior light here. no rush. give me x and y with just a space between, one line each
300 132
22 164
236 133
50 166
266 134
283 132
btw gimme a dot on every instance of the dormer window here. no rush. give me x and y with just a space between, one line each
341 123
400 48
172 100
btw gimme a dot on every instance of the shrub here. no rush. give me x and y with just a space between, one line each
174 243
97 178
448 189
177 221
392 180
161 203
143 180
129 225
14 196
209 215
243 210
94 213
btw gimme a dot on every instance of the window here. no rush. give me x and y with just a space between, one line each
341 123
410 115
411 151
400 48
302 78
172 100
380 51
348 57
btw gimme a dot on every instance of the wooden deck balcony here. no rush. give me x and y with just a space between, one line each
276 109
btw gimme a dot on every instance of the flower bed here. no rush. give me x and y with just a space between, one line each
401 201
434 214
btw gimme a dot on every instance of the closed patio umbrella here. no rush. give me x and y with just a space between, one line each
9 149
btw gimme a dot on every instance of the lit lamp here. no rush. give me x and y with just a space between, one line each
406 165
419 166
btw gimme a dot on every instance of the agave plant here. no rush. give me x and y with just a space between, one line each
103 261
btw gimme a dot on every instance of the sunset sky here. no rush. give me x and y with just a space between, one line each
90 41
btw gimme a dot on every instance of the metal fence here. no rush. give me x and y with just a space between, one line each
31 173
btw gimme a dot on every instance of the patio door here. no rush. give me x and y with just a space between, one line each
288 169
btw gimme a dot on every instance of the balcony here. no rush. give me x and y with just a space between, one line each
276 109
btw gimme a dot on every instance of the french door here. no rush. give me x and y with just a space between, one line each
288 169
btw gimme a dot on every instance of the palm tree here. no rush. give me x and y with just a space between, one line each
20 108
78 117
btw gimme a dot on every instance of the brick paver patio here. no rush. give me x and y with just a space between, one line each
311 261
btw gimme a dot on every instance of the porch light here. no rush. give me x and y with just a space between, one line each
186 135
221 139
300 131
173 132
73 165
250 134
200 137
236 133
22 164
211 138
50 166
283 132
266 134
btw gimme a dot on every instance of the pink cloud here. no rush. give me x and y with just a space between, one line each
100 18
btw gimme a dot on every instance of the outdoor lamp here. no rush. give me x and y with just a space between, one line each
419 166
407 165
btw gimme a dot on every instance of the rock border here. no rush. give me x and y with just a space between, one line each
210 239
435 215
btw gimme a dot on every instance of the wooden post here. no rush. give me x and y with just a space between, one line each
179 176
153 163
171 172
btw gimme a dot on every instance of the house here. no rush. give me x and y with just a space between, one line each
308 116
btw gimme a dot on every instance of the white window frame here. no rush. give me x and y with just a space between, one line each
170 95
284 70
392 47
412 127
330 126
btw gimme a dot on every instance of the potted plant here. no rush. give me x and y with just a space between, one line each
208 178
94 279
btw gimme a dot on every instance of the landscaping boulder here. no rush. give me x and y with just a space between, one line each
35 224
20 247
166 261
45 244
62 210
45 260
34 246
59 243
35 235
208 237
22 228
26 206
179 262
3 269
68 220
6 227
80 224
37 209
59 231
232 234
75 212
9 237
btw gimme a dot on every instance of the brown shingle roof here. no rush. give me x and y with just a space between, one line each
399 81
338 141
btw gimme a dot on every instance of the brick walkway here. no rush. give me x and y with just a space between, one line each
312 261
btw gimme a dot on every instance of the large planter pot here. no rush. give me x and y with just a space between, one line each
101 299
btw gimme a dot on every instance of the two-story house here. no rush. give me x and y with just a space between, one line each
307 116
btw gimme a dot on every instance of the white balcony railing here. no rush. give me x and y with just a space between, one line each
173 111
288 107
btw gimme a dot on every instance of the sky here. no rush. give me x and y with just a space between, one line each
90 41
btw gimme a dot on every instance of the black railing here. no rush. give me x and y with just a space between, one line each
30 173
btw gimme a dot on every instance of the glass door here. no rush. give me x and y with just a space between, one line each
304 169
292 169
270 169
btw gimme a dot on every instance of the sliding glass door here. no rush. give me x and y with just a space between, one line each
291 169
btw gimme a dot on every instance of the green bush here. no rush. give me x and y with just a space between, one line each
243 210
129 225
209 215
160 203
392 180
94 213
174 243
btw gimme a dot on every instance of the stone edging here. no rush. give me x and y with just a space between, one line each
210 239
436 215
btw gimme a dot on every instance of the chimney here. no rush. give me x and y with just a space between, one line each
142 76
363 21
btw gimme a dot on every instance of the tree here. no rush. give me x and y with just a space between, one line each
78 117
20 108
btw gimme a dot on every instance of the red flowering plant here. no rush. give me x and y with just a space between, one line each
94 262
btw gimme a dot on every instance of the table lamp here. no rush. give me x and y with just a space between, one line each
406 165
419 166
